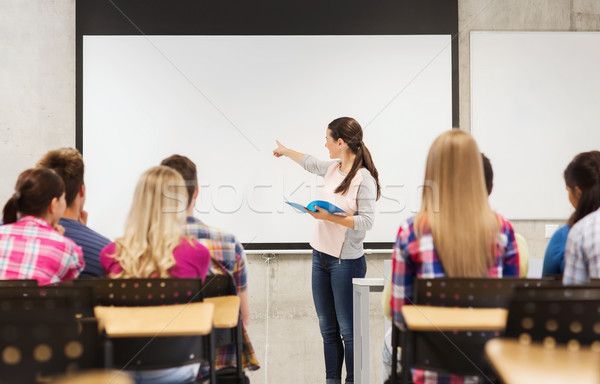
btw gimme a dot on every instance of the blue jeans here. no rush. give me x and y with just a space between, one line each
332 294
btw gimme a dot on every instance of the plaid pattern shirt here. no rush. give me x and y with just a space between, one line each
417 257
227 257
582 253
32 249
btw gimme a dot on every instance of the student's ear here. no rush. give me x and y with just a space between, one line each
577 192
196 191
52 206
82 191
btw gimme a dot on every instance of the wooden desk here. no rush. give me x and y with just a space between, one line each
95 377
193 319
227 311
428 318
532 364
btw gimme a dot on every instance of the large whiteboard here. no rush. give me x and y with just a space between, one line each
535 104
223 100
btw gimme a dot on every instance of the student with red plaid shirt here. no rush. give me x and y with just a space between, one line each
32 245
455 234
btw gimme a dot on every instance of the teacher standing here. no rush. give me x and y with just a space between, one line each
352 184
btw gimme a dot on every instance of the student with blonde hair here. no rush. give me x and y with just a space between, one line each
455 233
155 245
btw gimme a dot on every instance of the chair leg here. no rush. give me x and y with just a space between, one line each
406 359
238 339
211 346
108 352
395 335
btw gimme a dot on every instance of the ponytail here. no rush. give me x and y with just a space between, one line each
35 189
9 214
348 129
363 159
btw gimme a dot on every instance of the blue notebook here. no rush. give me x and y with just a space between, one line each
331 208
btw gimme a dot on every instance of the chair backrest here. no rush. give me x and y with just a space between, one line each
556 315
33 350
149 353
219 285
53 302
144 292
460 352
472 292
18 283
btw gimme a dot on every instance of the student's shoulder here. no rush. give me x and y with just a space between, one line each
589 222
200 230
78 231
406 231
505 224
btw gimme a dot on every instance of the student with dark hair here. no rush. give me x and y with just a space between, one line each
68 163
227 257
582 179
488 173
352 184
31 242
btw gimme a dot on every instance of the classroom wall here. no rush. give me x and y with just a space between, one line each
37 113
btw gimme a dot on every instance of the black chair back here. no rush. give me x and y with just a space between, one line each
219 285
472 292
147 353
50 302
559 315
458 352
143 292
18 283
34 349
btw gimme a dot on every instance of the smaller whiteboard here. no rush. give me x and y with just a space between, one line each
535 104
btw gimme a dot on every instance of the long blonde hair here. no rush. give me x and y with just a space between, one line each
155 225
455 206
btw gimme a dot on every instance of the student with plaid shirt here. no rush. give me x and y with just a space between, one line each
227 257
32 245
455 234
582 253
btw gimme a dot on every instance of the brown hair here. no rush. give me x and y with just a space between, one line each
68 163
348 129
187 169
488 173
584 172
35 190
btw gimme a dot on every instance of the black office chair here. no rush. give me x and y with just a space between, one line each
158 352
46 331
455 352
556 315
18 283
223 285
67 301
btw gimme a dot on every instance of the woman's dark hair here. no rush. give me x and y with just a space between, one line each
348 129
35 189
584 172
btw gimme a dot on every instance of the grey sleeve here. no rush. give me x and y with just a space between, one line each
367 194
314 165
